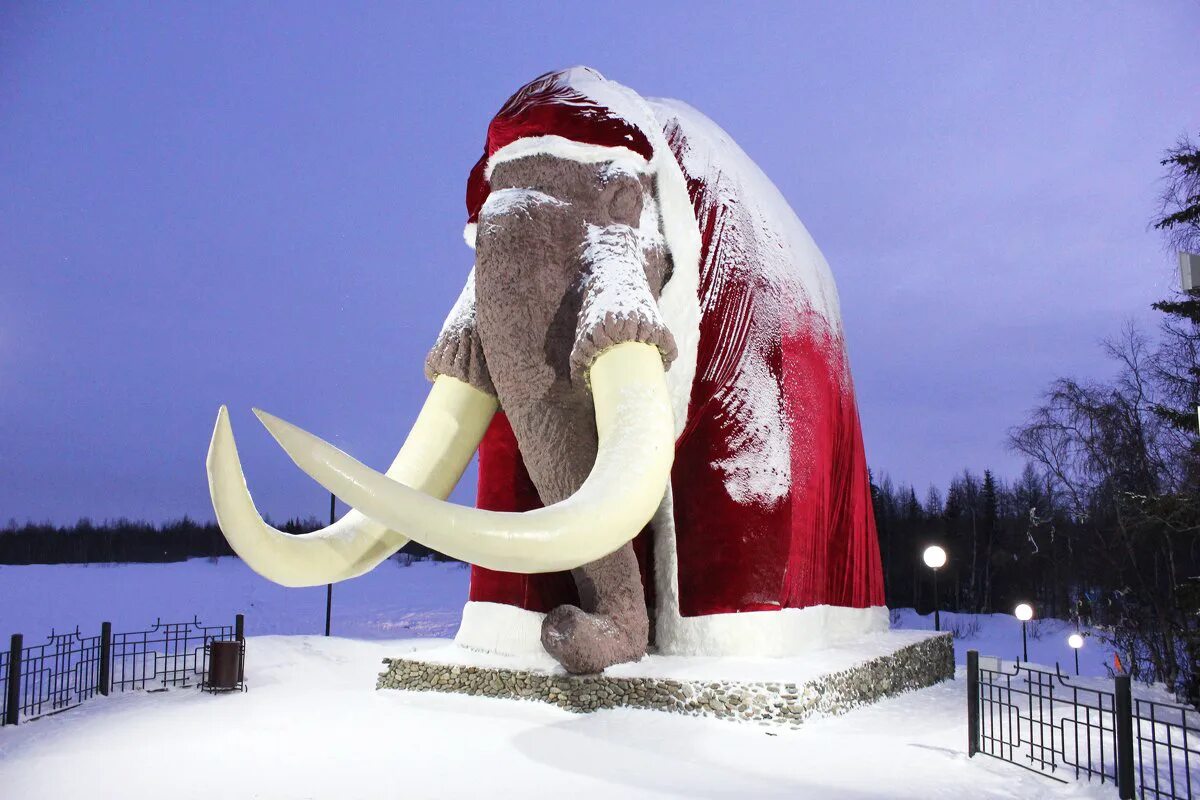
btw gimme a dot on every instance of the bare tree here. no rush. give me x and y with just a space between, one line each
1119 463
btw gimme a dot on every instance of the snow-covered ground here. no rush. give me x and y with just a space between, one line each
1000 635
312 725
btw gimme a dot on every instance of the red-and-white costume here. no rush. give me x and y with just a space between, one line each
765 543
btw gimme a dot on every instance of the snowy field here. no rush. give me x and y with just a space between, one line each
391 602
312 725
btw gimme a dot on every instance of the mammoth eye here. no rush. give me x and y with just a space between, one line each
626 204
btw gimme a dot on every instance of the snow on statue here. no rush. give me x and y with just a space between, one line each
678 462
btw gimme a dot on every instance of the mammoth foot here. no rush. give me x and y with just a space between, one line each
585 643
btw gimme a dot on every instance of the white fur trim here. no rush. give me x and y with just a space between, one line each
769 634
469 234
511 631
679 302
568 149
499 628
666 569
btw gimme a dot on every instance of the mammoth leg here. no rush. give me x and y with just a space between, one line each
610 625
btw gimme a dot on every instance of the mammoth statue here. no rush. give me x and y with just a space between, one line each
649 360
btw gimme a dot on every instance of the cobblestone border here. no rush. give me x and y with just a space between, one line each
914 666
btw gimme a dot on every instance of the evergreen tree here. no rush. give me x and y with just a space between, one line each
990 511
1179 220
913 513
1179 210
935 507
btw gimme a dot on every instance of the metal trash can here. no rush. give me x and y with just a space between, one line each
225 665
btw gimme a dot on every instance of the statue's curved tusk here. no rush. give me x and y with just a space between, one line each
437 450
633 464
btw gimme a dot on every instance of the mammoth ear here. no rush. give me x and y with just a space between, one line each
458 352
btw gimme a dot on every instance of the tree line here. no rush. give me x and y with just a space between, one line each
126 541
1006 543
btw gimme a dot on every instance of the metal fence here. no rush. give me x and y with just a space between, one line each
1166 738
69 668
1043 722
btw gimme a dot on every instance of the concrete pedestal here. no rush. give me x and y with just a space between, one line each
830 681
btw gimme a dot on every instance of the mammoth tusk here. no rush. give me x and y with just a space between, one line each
636 443
437 450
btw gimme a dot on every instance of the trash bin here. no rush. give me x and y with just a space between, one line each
224 665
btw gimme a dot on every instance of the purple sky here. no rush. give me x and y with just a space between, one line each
222 204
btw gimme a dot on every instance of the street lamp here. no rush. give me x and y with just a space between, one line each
1024 612
935 559
1076 642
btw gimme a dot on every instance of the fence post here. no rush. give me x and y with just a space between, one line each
239 633
1123 722
972 702
104 682
13 710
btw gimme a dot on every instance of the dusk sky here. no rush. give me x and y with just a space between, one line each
262 206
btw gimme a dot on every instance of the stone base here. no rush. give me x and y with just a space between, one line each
781 690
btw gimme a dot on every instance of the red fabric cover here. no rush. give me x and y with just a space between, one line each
504 485
816 545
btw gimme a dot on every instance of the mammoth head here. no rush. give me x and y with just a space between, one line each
570 260
574 249
561 312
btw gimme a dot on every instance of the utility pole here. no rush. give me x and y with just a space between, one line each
329 586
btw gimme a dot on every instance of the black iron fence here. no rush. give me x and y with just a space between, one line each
68 668
1043 722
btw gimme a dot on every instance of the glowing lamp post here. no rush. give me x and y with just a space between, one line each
935 559
1024 612
1076 642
